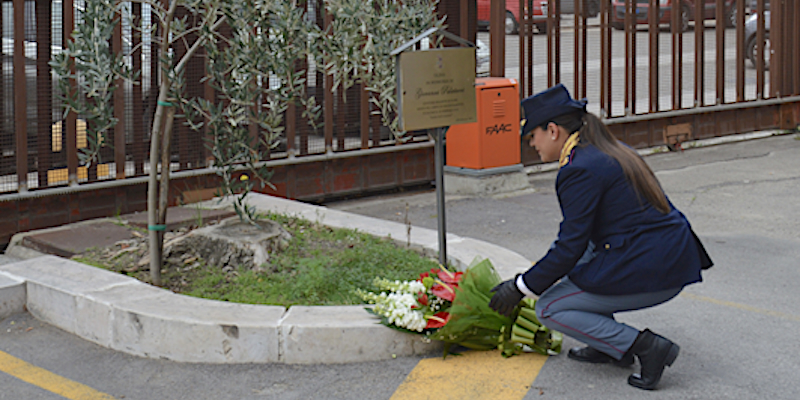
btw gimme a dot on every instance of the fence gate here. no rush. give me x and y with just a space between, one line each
646 71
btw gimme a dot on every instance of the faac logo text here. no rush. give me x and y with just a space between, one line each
498 129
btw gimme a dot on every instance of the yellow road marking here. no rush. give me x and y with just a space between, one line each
483 375
47 380
744 307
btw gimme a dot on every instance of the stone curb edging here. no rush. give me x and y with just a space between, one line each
127 315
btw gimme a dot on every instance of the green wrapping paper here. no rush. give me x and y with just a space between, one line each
475 326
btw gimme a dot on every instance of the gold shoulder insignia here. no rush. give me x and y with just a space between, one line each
566 151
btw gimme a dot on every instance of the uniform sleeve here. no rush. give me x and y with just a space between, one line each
579 193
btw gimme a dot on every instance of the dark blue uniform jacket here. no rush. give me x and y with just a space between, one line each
638 249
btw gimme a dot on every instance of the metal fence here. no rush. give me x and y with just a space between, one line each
663 66
630 64
40 144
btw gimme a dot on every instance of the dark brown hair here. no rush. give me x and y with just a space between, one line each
593 131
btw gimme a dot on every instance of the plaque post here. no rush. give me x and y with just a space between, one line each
436 89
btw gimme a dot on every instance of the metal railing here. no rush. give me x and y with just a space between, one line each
39 144
634 65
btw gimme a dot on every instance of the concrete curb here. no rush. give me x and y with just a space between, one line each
127 315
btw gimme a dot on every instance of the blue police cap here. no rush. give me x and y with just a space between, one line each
542 107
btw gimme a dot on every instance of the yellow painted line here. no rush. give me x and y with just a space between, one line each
47 380
740 306
483 375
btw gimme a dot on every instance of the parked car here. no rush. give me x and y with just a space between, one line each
590 7
513 15
752 5
665 12
482 58
751 39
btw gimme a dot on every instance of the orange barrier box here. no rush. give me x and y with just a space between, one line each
494 140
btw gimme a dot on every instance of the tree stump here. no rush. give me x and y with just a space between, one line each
231 244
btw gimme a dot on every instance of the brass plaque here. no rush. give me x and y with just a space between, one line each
436 88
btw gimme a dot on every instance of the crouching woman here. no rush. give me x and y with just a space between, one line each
621 246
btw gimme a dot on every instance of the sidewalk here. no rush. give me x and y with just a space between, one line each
127 315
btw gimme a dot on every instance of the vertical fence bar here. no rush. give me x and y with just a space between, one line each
497 38
782 50
775 36
328 99
740 60
119 105
301 127
605 59
652 23
556 31
291 128
551 10
699 53
526 59
70 127
363 114
44 89
585 49
629 27
632 37
375 123
584 37
677 54
759 61
341 112
137 123
529 58
796 48
20 97
576 57
522 36
463 19
720 36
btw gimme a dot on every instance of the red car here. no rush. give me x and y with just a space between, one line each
513 15
665 12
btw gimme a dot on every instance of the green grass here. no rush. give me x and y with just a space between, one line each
321 266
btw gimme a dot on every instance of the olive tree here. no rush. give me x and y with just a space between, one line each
357 44
257 74
96 69
256 69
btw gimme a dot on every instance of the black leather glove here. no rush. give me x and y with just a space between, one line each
506 297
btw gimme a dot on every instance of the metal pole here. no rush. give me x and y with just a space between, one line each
439 161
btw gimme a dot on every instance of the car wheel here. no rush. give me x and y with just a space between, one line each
541 28
511 23
618 26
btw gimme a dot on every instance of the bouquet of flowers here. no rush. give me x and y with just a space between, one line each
453 307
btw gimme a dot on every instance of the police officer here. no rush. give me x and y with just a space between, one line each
636 250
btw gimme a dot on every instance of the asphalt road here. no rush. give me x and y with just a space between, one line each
737 330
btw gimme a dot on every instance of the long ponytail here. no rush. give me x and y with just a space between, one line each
636 170
593 131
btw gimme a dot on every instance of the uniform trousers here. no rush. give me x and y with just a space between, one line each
589 317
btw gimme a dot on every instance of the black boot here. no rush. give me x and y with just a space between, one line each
590 355
655 352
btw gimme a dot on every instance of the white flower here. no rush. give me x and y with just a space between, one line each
397 308
412 287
